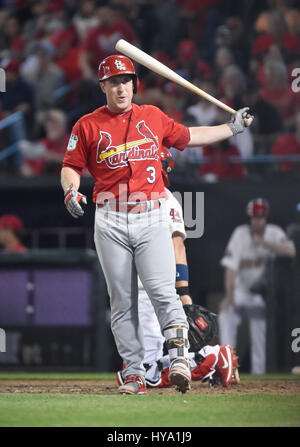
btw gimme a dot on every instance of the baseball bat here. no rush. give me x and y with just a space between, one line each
150 62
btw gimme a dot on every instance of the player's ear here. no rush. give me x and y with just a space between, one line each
102 86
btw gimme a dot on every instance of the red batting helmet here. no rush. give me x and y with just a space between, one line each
167 163
258 208
116 65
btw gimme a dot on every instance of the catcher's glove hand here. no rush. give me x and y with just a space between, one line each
203 326
73 202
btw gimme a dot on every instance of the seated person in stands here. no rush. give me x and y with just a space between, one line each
288 144
268 123
10 228
218 164
46 155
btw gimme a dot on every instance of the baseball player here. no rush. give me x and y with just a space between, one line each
244 261
119 143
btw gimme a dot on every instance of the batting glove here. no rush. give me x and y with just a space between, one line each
73 199
240 120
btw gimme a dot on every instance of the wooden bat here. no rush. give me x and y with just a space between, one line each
150 62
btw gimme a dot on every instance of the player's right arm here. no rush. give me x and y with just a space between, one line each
70 181
75 160
68 177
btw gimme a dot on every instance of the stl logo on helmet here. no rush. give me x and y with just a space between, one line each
119 65
118 156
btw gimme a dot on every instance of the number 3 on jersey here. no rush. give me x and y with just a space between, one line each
152 177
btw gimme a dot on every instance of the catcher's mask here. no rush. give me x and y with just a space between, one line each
116 65
167 163
258 208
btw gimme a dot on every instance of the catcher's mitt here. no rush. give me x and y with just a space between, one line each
203 326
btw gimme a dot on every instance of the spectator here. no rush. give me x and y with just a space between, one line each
85 19
11 39
67 53
279 93
144 19
49 77
218 164
187 58
100 41
268 122
288 144
10 228
232 83
34 28
46 76
204 112
277 33
171 102
223 58
167 22
45 156
19 95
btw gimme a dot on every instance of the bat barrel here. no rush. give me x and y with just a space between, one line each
148 61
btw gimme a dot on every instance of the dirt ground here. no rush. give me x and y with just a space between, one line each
110 387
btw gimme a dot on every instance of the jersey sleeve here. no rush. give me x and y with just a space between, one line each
233 251
76 153
175 134
280 237
175 215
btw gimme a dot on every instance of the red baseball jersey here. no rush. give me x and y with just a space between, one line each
124 149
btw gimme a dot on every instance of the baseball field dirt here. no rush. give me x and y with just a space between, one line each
109 387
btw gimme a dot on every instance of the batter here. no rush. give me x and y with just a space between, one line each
120 144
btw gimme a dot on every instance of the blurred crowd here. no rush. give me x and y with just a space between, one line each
243 53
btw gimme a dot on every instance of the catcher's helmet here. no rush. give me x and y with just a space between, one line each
258 208
167 163
116 65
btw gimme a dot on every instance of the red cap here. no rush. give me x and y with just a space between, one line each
187 50
258 208
10 221
203 69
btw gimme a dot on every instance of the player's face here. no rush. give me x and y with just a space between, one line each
258 224
119 93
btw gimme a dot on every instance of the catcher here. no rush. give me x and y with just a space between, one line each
208 363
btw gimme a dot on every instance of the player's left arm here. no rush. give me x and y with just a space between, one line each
182 272
204 135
